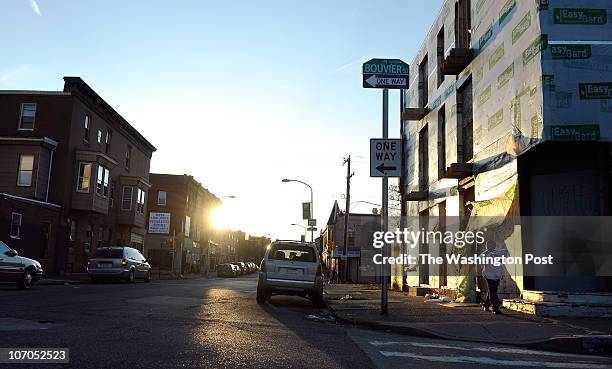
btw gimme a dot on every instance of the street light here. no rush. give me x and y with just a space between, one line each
299 225
285 180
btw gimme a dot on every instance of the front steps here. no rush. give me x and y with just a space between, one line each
558 304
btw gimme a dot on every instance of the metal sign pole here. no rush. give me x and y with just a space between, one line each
385 206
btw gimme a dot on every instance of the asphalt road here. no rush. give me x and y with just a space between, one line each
216 323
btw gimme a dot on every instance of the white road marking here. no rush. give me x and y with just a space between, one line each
481 348
491 361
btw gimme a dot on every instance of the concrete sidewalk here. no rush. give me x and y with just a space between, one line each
360 305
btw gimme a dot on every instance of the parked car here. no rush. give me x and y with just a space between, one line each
119 262
227 270
291 268
18 269
254 266
241 270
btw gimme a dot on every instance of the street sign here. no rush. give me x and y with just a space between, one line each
311 229
382 81
312 222
385 157
385 73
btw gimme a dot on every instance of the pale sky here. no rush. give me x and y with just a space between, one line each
239 94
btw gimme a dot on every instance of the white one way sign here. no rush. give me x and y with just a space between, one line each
385 157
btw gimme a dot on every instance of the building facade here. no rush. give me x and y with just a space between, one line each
361 228
508 114
179 233
71 151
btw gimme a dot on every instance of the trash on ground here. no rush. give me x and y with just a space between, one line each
315 318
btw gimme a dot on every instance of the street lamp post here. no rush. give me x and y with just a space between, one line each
299 225
311 203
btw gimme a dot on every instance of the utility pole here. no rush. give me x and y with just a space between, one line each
346 215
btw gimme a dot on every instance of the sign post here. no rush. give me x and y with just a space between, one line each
385 154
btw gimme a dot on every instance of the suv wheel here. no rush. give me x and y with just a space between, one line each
262 295
130 277
26 281
148 277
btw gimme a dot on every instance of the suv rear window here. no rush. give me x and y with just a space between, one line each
292 253
108 254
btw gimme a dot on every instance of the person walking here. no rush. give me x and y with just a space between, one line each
493 275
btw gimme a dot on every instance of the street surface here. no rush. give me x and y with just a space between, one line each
216 323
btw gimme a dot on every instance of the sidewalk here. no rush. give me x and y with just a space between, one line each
360 305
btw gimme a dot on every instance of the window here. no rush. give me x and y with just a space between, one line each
15 225
99 136
351 238
86 125
126 202
111 202
161 198
84 177
423 84
128 155
440 55
26 166
107 141
423 160
73 230
4 248
140 201
102 181
292 253
100 237
28 114
441 142
108 254
463 24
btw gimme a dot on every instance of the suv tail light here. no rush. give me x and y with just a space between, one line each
262 267
124 262
88 263
319 270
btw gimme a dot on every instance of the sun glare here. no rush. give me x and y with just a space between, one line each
220 217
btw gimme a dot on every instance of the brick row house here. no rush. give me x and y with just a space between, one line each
74 176
178 218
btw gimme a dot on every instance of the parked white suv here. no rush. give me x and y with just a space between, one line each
291 268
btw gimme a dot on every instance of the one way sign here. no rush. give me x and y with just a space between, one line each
385 157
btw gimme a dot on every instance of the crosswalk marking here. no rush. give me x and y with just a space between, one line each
495 349
492 361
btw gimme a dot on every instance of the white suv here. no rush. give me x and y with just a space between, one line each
291 268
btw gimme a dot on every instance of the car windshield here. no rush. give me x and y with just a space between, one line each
292 253
108 254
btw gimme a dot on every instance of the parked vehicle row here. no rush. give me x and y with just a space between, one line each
236 269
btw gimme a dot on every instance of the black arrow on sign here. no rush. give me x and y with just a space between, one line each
382 168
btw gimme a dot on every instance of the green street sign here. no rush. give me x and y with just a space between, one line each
385 73
386 67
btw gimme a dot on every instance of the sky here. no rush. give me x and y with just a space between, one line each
240 94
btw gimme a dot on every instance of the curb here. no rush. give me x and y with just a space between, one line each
58 282
598 345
